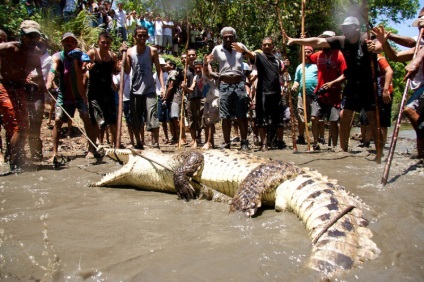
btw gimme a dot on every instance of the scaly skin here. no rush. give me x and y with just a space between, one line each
332 217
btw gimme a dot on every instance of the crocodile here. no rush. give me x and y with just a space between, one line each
333 217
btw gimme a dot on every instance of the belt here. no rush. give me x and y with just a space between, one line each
232 79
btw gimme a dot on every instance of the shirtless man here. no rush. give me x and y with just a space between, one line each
18 60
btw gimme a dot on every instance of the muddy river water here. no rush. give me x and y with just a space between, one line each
53 227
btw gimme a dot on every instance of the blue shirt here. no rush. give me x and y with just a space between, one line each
311 78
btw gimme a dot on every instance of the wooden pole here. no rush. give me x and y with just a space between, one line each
120 101
399 119
288 86
183 92
305 115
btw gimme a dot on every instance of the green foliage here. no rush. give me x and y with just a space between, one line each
11 17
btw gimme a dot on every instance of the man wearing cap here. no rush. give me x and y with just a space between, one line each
268 92
331 65
67 65
311 80
233 99
19 59
414 108
359 89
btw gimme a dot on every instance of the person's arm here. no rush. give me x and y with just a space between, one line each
402 40
414 65
188 89
155 58
127 65
238 47
334 83
388 80
382 36
315 42
52 72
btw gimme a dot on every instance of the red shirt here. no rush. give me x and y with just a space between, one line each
330 66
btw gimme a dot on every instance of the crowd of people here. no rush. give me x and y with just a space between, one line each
238 87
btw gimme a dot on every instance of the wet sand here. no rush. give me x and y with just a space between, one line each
56 228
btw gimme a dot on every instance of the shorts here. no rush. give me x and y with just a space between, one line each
167 40
159 40
127 112
70 109
6 110
163 110
144 110
416 102
233 100
211 112
102 113
325 111
358 96
300 108
268 109
175 110
193 114
385 111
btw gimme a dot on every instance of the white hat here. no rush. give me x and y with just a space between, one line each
327 33
161 61
415 23
351 21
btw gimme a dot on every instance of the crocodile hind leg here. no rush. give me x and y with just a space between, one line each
264 179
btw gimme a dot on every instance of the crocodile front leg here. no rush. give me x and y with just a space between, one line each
190 163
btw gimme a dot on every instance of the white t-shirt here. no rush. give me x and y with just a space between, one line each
208 87
168 30
158 28
157 82
127 88
121 17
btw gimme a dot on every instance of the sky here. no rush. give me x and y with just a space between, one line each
405 27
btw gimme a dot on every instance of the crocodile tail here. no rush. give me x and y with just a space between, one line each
335 224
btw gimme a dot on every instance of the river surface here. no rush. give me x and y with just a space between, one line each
54 227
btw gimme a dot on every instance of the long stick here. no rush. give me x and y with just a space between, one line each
378 140
288 85
305 115
74 122
399 119
120 99
183 92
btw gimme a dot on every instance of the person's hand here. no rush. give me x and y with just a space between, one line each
123 48
386 96
287 39
381 34
411 71
294 88
238 47
207 59
90 66
371 46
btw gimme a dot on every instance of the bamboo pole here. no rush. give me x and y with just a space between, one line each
305 115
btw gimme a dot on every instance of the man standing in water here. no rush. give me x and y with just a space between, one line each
358 92
18 60
143 97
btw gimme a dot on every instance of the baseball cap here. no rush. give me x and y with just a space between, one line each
415 23
310 48
327 33
69 34
29 26
351 21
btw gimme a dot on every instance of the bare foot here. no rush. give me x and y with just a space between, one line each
52 159
194 145
207 146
